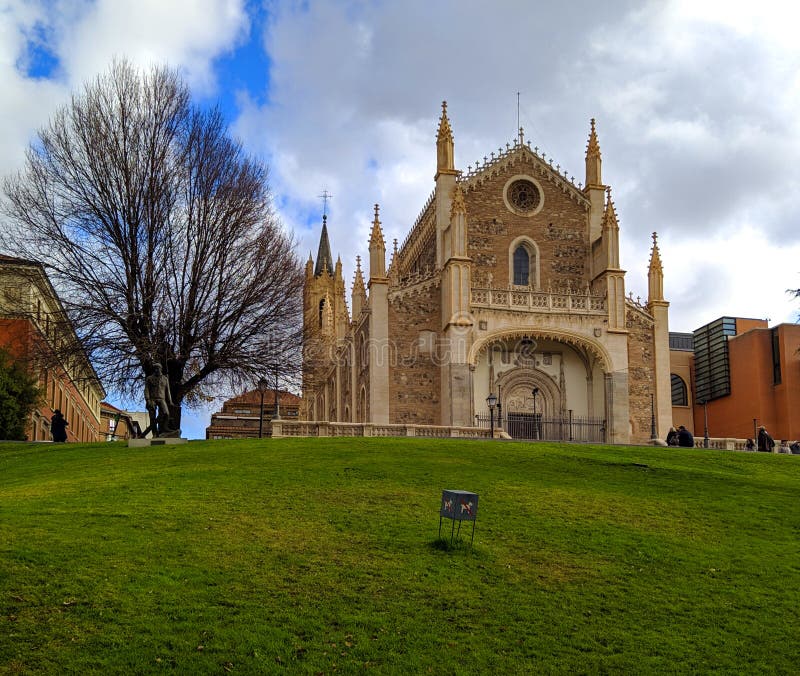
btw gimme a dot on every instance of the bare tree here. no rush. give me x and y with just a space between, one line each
158 232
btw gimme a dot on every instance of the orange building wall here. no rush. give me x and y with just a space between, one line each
787 394
753 393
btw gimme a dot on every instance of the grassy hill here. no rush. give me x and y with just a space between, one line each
322 556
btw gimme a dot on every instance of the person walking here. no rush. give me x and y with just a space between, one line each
58 427
765 442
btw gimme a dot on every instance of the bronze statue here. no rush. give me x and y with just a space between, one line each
158 399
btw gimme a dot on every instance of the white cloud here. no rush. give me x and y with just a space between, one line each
695 112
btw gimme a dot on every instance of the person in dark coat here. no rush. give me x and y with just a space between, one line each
765 442
685 438
672 437
58 427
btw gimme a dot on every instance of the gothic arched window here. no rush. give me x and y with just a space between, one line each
523 263
321 312
522 266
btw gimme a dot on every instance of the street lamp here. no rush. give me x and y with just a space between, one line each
499 409
705 422
277 415
652 418
262 387
535 415
491 401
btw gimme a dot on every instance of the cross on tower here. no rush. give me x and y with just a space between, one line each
325 197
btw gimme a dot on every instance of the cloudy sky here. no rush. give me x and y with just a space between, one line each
696 103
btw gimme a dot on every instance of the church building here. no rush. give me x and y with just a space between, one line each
509 283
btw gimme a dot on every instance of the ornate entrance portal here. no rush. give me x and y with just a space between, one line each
546 388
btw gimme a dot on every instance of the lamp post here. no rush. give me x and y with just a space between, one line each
262 387
277 415
652 418
705 422
491 401
535 414
499 409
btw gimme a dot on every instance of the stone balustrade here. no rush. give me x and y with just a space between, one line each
299 428
568 302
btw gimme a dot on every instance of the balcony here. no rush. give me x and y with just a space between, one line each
522 300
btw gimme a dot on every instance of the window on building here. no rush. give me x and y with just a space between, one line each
679 391
522 266
776 358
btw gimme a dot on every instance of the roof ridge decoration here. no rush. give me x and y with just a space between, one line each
510 154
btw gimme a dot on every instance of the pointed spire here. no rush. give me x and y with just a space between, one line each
593 159
358 280
358 295
655 255
655 274
324 258
444 144
310 266
610 233
592 147
377 249
376 236
610 214
445 132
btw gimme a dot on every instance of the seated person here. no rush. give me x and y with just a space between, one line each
685 438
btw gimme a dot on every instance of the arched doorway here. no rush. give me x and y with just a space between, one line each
547 386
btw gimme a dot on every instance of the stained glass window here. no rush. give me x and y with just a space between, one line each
523 195
522 266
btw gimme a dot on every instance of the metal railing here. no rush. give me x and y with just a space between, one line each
537 427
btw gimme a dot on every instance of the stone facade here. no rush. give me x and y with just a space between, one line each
508 283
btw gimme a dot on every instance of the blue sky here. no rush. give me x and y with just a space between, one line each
696 107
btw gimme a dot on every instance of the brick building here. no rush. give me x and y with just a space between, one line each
32 321
116 424
240 417
509 282
736 374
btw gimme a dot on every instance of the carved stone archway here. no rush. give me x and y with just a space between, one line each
583 343
517 384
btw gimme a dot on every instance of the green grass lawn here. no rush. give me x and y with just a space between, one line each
322 556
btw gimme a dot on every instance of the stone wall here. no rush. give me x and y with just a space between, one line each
415 375
560 230
641 374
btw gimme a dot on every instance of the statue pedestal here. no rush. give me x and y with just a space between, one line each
159 441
